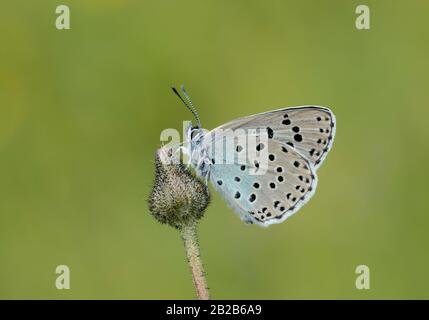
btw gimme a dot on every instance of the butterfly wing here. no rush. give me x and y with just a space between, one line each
308 129
288 183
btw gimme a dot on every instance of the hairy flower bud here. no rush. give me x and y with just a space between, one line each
178 197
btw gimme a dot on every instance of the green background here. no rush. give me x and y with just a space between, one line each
81 112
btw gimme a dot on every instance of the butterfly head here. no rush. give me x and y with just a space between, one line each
195 134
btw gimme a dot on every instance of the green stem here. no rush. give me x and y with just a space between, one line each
192 248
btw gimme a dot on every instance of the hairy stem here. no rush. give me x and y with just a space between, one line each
192 248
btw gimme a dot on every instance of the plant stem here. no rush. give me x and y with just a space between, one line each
192 248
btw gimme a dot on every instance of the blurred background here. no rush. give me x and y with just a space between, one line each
81 111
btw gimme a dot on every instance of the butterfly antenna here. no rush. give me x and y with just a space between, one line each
182 87
191 108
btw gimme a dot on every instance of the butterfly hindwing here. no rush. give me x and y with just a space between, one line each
273 196
308 129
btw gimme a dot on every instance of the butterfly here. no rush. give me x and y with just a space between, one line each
294 141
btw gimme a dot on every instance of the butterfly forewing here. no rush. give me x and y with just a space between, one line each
308 129
287 183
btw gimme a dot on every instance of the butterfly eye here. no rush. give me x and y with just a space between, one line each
194 132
